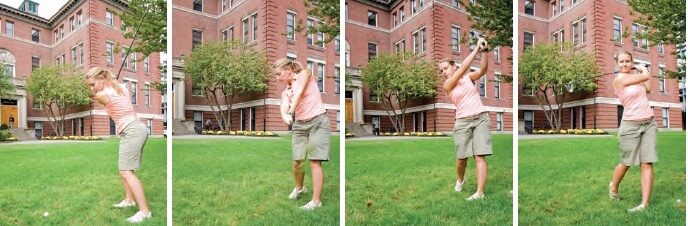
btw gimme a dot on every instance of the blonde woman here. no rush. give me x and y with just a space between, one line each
638 130
302 108
472 132
117 102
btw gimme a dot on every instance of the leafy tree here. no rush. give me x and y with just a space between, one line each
666 24
548 70
57 88
398 78
6 83
224 70
146 23
328 13
495 24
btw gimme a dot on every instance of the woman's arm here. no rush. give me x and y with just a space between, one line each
623 81
301 83
101 97
483 68
459 73
284 108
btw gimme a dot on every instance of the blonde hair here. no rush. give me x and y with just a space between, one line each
293 66
98 72
448 60
622 52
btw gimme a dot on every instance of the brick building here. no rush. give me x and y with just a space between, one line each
81 32
428 28
596 26
259 23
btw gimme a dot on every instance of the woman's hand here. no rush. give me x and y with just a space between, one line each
287 118
641 68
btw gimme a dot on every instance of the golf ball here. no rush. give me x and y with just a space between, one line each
45 214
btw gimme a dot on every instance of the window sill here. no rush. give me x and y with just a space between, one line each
641 49
318 48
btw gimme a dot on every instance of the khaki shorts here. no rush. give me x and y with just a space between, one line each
472 136
313 134
638 142
132 139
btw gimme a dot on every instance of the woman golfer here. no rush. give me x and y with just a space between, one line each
638 130
117 102
472 135
311 128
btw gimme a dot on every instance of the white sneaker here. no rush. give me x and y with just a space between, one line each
124 204
475 197
639 208
139 217
458 187
295 193
612 195
310 206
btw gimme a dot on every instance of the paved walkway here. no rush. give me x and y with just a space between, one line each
392 138
557 136
47 142
196 136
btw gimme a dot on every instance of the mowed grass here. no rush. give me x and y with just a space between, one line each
247 182
564 182
76 183
411 182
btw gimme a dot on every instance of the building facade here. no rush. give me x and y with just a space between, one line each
602 27
83 33
430 29
262 24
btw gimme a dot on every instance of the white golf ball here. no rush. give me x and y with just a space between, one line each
45 214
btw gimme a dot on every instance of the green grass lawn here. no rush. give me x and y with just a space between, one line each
564 182
76 183
246 182
411 182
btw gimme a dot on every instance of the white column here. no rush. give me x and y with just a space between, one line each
180 102
358 105
22 123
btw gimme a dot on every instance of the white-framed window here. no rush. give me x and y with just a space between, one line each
309 38
496 53
81 53
530 7
372 50
125 58
660 48
198 5
57 37
497 85
9 28
196 38
321 77
528 119
132 60
291 23
474 35
108 17
108 53
401 14
665 117
455 3
254 18
133 92
35 62
224 5
584 30
72 24
400 46
74 53
394 18
244 25
574 32
146 65
38 127
561 6
62 31
527 90
528 39
500 120
149 125
35 35
481 88
419 41
60 59
554 9
336 80
146 93
79 19
372 18
36 105
455 38
662 87
337 44
9 70
617 29
414 7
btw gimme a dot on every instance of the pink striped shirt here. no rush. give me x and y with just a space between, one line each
311 102
635 103
466 98
119 107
